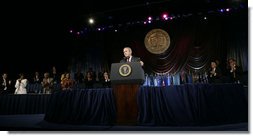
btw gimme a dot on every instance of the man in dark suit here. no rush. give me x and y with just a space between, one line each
5 86
214 75
106 82
234 71
128 56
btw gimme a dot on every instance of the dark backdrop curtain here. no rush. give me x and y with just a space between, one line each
195 41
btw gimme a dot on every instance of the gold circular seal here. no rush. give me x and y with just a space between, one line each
125 70
157 41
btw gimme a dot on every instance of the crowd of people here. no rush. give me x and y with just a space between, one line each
49 80
232 74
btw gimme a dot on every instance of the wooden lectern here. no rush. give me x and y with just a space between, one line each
126 79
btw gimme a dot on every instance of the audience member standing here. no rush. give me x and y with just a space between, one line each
67 83
106 80
215 74
5 84
55 76
21 84
234 71
36 79
89 81
79 78
47 84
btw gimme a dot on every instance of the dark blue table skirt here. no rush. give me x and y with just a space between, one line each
84 106
23 104
189 104
193 104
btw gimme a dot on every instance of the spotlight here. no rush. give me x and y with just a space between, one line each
91 20
165 16
149 18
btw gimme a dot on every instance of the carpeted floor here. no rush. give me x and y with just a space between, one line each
35 122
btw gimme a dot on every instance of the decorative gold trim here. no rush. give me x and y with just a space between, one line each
125 70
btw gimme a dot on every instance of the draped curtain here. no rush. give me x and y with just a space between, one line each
195 42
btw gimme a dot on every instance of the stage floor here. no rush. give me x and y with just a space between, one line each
35 122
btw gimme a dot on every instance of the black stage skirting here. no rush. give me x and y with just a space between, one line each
188 104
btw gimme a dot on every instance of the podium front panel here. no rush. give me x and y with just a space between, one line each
127 73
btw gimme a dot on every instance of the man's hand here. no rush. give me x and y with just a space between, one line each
142 63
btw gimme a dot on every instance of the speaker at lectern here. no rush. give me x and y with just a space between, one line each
126 79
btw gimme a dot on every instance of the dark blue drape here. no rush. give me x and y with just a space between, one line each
193 104
188 104
85 106
23 104
180 105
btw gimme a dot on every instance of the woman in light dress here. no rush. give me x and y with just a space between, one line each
21 85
